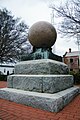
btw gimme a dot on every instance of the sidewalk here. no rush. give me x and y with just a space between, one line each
13 111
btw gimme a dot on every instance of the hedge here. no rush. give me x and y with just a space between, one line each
3 77
76 77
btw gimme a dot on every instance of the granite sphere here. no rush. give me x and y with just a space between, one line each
42 34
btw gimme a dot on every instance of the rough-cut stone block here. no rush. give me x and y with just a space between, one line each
40 83
42 66
56 83
50 102
25 82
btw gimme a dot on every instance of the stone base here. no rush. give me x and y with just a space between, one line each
50 102
41 67
40 83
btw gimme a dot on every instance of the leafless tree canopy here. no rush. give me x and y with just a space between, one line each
13 33
70 14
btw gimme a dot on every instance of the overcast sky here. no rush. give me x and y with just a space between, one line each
32 11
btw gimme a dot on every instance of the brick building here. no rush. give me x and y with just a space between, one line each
72 59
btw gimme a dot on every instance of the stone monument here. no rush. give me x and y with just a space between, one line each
41 83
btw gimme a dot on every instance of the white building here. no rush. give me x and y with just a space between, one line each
7 68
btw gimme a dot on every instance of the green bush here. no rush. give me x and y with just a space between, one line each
3 77
76 77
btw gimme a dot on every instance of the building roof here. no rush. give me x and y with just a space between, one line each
7 64
74 53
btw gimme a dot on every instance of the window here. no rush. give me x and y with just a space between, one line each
7 72
13 71
71 60
4 70
71 69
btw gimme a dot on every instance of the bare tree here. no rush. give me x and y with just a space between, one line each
70 15
13 33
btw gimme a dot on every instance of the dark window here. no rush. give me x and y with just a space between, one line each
4 70
71 60
7 72
13 71
71 69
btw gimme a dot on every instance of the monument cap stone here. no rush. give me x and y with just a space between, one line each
42 34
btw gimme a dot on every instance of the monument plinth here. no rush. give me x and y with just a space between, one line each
41 82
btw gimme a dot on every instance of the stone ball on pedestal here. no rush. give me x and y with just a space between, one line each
42 34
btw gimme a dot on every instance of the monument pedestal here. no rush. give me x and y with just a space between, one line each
43 84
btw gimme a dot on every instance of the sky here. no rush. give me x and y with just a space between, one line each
32 11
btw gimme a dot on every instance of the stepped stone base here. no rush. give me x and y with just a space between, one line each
40 83
41 66
50 102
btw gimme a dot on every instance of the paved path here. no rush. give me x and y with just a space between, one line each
12 111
